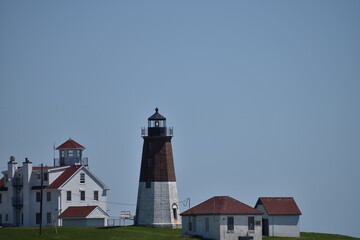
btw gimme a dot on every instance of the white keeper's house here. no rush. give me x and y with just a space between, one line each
72 195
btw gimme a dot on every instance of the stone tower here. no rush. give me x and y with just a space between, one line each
157 202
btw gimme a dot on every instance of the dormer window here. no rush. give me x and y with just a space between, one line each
62 153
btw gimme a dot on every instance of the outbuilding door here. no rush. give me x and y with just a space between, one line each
265 227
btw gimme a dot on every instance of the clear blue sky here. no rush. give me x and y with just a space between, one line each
264 96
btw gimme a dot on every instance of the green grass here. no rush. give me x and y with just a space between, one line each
126 233
89 233
313 236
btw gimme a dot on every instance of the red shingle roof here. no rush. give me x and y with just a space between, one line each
77 212
63 177
221 205
279 205
2 185
70 144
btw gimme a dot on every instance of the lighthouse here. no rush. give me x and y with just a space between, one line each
157 202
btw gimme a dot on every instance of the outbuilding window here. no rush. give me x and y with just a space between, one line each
251 223
230 223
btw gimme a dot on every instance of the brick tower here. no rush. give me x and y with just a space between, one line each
157 202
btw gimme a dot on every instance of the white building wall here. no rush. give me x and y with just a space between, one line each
58 201
198 224
83 222
4 206
284 225
90 185
155 205
240 227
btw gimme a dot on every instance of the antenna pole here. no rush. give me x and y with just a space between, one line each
41 198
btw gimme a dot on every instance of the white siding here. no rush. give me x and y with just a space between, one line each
84 222
282 225
218 227
58 201
89 187
154 205
199 228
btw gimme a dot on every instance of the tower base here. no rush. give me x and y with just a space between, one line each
158 205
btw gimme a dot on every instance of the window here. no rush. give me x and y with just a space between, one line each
48 217
82 195
0 198
230 223
78 153
70 153
150 147
82 177
148 183
48 196
38 197
175 208
68 195
0 218
149 163
62 153
207 224
251 223
37 220
46 176
96 195
6 217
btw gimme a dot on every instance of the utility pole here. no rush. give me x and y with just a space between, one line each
41 198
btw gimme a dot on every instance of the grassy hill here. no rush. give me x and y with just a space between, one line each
126 233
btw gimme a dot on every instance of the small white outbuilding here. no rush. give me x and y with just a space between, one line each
281 216
222 218
84 216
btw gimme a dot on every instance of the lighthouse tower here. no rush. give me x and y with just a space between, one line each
157 202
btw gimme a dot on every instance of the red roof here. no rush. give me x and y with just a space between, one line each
2 185
70 144
44 167
77 212
63 177
279 205
221 205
